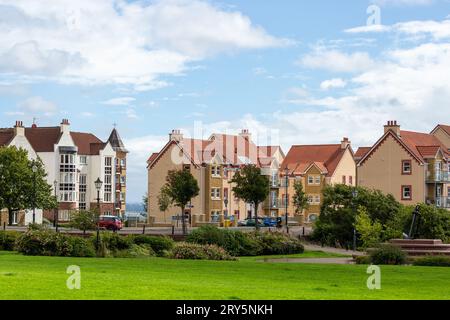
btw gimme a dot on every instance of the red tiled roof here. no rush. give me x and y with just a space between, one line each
444 127
152 157
87 143
232 149
326 157
43 139
361 152
6 136
419 145
416 141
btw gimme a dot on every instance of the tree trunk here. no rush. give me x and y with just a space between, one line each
10 216
256 216
183 221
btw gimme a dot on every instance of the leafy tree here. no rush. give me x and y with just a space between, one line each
84 220
20 187
370 232
339 209
300 199
251 186
145 202
164 201
180 188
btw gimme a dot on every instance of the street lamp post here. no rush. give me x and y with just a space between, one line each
34 168
98 185
355 195
55 211
286 197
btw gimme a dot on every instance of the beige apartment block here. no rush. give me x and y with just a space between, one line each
412 166
315 166
213 163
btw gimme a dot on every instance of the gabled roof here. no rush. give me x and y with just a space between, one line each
6 135
43 139
233 150
325 157
87 143
116 141
361 152
444 127
419 145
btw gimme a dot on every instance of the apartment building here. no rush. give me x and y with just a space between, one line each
412 166
315 166
213 163
73 161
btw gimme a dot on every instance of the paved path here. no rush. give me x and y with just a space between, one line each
313 247
311 260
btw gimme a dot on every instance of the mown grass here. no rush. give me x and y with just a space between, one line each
23 277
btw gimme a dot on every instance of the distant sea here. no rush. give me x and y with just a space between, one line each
135 207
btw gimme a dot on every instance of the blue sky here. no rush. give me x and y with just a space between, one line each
304 71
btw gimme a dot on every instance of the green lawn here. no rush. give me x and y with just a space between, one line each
24 277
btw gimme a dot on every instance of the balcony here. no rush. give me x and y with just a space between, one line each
274 182
437 176
271 204
440 202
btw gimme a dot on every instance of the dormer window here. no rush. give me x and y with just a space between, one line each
215 171
406 167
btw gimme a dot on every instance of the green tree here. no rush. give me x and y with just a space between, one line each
145 202
21 187
251 186
164 201
370 232
300 199
339 209
84 220
180 188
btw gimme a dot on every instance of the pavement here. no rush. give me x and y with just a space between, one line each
313 247
311 260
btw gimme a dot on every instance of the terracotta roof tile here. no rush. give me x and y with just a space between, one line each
416 140
326 157
43 139
152 157
361 152
87 143
6 136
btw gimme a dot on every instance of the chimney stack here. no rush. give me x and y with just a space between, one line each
176 135
19 129
245 133
65 125
345 143
393 126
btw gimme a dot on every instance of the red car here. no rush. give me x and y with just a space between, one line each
110 223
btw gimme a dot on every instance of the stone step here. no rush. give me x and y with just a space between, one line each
427 253
424 246
418 241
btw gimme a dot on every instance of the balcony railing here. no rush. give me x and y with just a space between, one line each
272 204
437 176
440 202
274 182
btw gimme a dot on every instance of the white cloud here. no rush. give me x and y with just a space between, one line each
438 30
403 2
87 114
333 83
140 149
337 61
38 105
122 101
114 41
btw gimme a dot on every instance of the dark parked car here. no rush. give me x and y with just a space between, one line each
251 222
110 223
